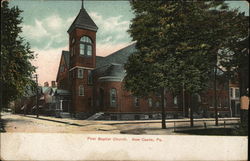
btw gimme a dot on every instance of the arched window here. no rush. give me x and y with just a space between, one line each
81 90
113 97
85 46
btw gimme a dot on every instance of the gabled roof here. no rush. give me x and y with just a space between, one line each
83 21
118 57
111 67
99 58
65 55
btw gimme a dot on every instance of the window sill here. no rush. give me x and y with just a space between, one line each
85 55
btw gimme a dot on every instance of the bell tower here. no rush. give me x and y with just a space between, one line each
82 47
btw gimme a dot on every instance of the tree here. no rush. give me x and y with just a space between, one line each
16 68
236 61
177 43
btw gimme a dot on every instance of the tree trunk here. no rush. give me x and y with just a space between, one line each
163 114
183 100
244 87
215 96
191 111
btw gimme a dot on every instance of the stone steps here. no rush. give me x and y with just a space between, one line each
95 116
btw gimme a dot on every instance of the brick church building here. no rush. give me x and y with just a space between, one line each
92 85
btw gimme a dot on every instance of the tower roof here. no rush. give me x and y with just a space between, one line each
83 21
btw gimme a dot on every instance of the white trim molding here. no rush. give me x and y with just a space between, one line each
81 68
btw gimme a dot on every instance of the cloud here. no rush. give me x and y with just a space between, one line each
111 24
104 49
112 33
47 62
51 31
46 33
36 31
111 29
54 22
108 39
115 24
70 20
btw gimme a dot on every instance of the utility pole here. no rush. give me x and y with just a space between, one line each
37 106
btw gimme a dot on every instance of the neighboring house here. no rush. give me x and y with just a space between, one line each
47 100
27 103
222 92
90 84
50 101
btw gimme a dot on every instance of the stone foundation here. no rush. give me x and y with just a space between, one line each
144 116
138 116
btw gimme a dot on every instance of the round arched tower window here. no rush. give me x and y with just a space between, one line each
86 46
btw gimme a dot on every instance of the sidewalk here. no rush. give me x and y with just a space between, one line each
30 123
172 124
116 122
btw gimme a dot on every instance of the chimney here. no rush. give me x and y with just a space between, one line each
53 84
46 84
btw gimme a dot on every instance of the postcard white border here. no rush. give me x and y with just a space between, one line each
49 146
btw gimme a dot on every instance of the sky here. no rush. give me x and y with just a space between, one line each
45 25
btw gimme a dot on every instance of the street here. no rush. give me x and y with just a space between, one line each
45 124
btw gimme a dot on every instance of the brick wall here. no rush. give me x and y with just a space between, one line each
77 59
81 103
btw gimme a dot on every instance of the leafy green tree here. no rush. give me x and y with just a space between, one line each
177 43
236 61
16 68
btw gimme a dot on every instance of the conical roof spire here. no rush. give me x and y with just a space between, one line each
83 21
82 4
